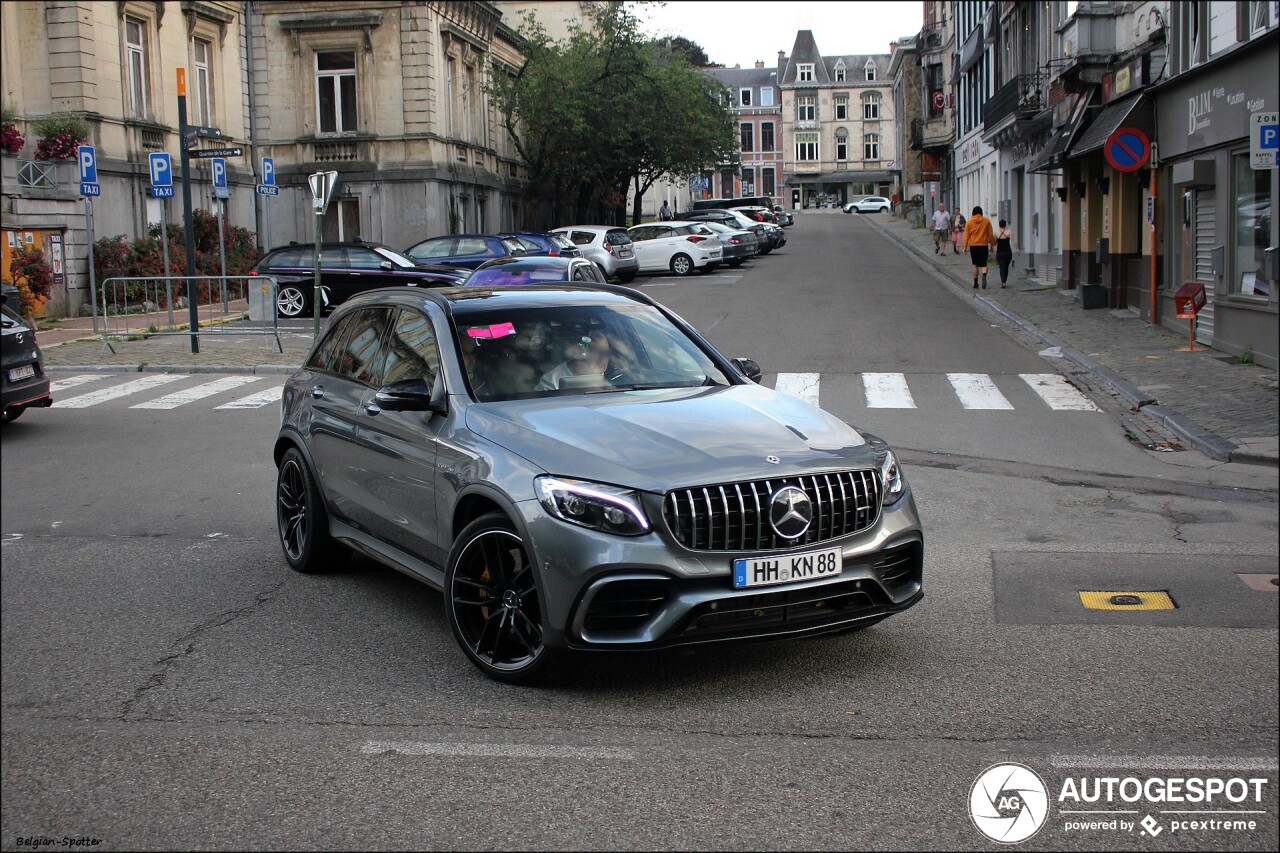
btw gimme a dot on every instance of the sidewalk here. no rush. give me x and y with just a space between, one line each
1226 410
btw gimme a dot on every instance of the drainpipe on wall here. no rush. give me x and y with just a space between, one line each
246 15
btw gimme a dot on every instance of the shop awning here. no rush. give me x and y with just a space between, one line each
1054 154
851 177
1134 112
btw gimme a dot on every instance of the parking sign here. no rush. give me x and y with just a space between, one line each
161 169
88 164
220 189
268 171
1264 140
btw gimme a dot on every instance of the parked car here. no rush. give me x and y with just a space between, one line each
608 246
784 216
679 247
759 214
752 200
870 204
23 383
465 250
738 246
555 461
345 270
768 238
540 269
543 243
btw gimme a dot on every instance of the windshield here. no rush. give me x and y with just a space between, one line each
394 256
568 350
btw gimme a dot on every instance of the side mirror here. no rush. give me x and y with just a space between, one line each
749 369
386 265
413 395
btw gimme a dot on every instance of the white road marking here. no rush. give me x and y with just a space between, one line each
255 401
190 395
93 398
802 385
977 391
887 391
1161 762
496 750
73 381
1060 394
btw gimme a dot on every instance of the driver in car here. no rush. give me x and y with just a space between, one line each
588 355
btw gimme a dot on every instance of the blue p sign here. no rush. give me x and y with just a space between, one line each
88 164
269 171
219 173
161 170
1270 136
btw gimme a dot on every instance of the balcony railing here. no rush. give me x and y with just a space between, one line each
1025 94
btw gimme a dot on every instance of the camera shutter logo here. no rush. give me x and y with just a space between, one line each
1009 803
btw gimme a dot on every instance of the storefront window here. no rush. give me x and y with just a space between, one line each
1252 228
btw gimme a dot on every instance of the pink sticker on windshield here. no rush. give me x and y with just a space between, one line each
497 330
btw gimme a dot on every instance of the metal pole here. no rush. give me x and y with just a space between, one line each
315 298
164 241
222 253
192 310
1155 217
93 275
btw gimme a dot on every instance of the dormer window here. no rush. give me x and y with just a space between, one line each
806 72
840 69
744 97
871 70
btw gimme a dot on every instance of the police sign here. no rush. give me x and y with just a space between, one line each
1264 140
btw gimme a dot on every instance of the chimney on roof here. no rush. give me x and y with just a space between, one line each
781 53
759 63
893 45
737 65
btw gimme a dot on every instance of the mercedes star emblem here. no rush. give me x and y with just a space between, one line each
790 512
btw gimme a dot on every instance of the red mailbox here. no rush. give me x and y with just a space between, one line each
1189 300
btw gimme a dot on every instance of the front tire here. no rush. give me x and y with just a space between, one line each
292 301
628 276
301 520
737 262
492 602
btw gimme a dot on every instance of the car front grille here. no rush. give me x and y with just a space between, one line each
770 611
624 606
735 516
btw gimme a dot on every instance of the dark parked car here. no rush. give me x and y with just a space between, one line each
23 383
345 270
465 250
769 238
543 269
577 468
544 243
738 245
784 216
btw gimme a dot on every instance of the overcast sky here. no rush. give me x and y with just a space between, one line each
746 30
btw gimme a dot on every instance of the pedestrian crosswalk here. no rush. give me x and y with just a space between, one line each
923 393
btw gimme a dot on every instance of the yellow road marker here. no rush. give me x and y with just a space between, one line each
1127 600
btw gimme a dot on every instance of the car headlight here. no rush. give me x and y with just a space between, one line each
895 485
605 508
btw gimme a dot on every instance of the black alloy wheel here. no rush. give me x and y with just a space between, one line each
491 598
301 520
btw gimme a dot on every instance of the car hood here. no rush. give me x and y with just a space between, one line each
659 440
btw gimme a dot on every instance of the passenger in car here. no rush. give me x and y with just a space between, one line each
588 355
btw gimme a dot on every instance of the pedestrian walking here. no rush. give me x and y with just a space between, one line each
941 227
979 239
1006 248
665 213
957 231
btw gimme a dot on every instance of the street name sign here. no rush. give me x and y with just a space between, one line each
215 152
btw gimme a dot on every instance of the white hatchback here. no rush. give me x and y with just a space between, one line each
680 247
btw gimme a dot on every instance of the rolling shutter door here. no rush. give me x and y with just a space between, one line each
1206 212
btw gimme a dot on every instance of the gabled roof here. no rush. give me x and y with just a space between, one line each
855 66
805 50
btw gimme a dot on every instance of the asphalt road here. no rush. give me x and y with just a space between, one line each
168 683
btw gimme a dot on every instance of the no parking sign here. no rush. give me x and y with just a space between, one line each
1127 150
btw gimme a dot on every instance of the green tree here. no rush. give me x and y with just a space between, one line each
690 50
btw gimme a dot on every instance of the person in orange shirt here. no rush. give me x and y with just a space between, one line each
979 239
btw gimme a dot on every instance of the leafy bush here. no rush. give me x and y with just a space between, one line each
60 134
11 139
33 278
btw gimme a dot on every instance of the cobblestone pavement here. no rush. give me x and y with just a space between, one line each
1203 400
1226 409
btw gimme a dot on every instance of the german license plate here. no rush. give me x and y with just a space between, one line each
787 568
20 373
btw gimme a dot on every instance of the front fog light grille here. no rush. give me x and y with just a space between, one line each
623 607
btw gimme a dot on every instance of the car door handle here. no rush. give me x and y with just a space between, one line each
317 391
372 408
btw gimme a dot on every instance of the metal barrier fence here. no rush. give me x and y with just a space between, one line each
144 306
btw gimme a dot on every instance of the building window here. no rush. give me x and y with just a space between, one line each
840 73
341 222
135 40
336 91
766 96
871 70
744 97
871 146
842 107
768 185
767 142
1252 228
748 183
203 112
450 96
747 136
807 147
842 144
807 108
871 106
806 72
1259 16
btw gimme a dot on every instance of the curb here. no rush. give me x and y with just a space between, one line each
1211 444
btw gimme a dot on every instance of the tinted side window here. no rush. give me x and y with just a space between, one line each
411 350
472 246
364 259
333 257
582 238
528 244
358 358
441 247
323 357
515 246
293 257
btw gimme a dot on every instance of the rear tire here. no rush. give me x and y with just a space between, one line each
627 277
737 262
292 302
682 264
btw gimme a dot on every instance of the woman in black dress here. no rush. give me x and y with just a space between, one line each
1005 249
